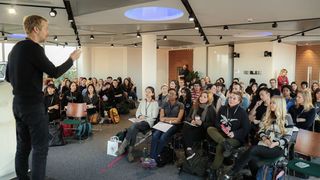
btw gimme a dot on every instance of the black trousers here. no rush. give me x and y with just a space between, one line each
131 136
192 135
254 154
32 133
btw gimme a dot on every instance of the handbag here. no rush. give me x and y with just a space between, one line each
93 119
113 145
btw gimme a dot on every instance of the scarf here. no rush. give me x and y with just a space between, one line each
204 112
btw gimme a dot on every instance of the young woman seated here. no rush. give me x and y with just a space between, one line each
185 99
231 129
172 113
201 117
303 113
52 103
146 115
275 133
72 96
92 100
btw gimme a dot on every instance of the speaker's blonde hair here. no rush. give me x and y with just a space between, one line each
32 21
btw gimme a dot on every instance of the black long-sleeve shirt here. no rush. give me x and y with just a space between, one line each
26 64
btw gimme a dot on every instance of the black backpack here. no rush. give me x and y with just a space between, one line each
196 165
55 135
167 156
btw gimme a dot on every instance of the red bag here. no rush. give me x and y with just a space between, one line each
67 130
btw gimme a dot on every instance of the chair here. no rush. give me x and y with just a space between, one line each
76 114
307 144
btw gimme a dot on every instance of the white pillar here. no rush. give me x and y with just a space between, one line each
149 62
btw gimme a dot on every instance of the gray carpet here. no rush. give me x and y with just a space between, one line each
89 160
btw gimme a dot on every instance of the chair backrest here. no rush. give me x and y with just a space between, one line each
308 143
77 110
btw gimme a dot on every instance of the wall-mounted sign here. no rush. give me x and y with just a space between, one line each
252 72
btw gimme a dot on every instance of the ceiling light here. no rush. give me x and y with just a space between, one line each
138 35
225 27
274 25
66 43
302 34
220 37
55 38
157 46
201 34
279 41
5 39
91 37
2 33
204 39
165 38
135 45
11 10
196 27
53 12
70 19
77 39
207 42
112 45
153 13
191 18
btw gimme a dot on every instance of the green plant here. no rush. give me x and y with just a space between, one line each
192 75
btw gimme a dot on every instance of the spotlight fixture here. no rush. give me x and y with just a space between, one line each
91 37
302 34
207 42
225 27
2 33
274 25
77 39
267 54
201 35
196 27
66 43
138 35
191 18
112 45
279 41
11 10
135 45
204 39
220 37
157 46
55 38
70 19
5 39
165 38
53 12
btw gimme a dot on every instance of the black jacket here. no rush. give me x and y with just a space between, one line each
300 113
237 119
26 64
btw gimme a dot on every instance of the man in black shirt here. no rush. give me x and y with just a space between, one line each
26 64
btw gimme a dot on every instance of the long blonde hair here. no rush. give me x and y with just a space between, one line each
280 114
307 100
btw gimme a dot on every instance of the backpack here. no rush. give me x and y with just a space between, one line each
167 156
196 165
114 115
83 130
56 135
270 173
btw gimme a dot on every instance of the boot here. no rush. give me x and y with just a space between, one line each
130 155
122 147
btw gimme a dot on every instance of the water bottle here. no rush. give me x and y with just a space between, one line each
145 152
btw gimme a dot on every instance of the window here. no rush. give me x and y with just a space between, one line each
7 49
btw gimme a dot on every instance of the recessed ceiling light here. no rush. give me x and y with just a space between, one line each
153 13
11 10
91 37
165 38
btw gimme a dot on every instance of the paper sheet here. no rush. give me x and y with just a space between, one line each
135 120
187 122
161 126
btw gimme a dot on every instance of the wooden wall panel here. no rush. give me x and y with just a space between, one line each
177 58
307 56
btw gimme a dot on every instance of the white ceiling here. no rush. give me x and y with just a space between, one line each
105 19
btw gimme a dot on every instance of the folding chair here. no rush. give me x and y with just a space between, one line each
307 144
76 114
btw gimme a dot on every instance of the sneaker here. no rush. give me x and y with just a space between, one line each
227 149
190 153
149 163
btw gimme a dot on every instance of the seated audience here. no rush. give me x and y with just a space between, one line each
286 93
185 99
217 101
303 113
275 133
92 100
273 89
294 87
231 129
146 113
201 117
196 91
163 96
171 112
52 103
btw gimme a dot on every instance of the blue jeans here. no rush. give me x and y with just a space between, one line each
32 132
159 140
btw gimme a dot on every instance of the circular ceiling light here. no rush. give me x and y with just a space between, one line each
253 34
153 13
